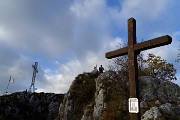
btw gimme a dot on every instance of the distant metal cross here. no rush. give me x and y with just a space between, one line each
35 70
133 49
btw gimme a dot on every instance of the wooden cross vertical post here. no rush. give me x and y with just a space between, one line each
132 59
132 63
133 49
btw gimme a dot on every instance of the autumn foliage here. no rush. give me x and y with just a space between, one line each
158 68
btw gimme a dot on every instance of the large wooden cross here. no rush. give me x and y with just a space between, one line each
133 49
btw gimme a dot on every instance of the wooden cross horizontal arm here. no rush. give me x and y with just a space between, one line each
153 43
116 53
156 42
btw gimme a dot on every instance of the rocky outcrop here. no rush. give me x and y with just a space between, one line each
157 96
99 98
94 96
94 85
163 91
88 113
164 112
30 106
80 98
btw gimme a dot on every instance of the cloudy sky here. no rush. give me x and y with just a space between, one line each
68 37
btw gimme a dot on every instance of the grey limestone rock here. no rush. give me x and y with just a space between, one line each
157 103
88 113
169 109
66 106
155 89
99 96
148 88
143 104
152 114
99 104
29 106
164 112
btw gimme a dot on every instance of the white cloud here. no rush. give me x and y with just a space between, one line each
88 9
176 36
44 28
146 9
58 81
3 33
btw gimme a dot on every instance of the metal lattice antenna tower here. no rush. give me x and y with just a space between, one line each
35 70
11 80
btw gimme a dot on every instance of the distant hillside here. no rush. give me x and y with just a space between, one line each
27 106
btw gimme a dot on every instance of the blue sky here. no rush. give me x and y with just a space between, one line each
68 37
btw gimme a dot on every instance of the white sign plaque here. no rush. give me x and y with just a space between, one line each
133 105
